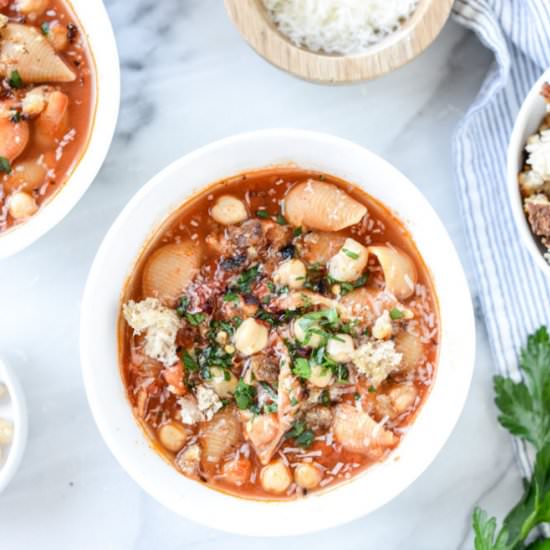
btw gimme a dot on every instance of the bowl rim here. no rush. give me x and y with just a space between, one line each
394 51
95 23
18 407
518 139
107 397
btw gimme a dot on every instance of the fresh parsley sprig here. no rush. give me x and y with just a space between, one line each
525 412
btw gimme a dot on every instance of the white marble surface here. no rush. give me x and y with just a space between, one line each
188 79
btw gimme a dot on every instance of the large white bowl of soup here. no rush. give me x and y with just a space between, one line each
277 335
59 102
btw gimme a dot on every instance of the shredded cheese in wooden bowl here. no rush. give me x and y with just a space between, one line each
343 27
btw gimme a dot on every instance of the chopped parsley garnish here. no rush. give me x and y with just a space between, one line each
342 373
297 231
16 117
301 434
195 319
244 395
231 297
183 305
281 219
45 28
350 254
372 389
325 397
270 408
301 368
246 278
396 314
346 288
5 165
15 80
263 214
189 361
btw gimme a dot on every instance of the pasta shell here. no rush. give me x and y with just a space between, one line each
169 270
25 50
221 435
323 206
412 349
357 432
399 271
318 247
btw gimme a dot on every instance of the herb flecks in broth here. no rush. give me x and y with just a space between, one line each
279 334
46 103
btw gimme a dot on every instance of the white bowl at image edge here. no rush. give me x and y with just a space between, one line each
528 120
116 258
97 27
14 408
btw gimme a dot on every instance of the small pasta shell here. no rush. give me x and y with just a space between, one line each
169 270
221 435
25 50
323 206
399 271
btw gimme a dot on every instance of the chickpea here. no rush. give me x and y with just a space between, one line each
307 476
173 436
251 337
341 348
291 273
321 377
6 431
222 381
229 210
26 176
302 327
275 477
348 264
22 205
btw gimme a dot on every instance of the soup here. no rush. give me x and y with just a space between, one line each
278 334
47 101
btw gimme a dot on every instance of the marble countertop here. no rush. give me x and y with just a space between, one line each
189 79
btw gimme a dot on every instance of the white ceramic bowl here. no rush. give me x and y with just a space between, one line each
528 120
115 260
96 24
13 408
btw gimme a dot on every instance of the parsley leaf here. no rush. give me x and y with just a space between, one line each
15 80
263 214
301 434
5 165
525 406
281 219
350 254
189 361
301 368
525 412
396 314
244 395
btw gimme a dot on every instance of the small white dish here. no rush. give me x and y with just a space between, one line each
99 343
13 408
97 27
528 120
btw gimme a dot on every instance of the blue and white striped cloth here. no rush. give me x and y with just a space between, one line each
514 293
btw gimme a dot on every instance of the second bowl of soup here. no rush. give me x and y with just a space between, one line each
283 334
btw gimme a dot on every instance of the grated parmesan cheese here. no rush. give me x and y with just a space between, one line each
339 26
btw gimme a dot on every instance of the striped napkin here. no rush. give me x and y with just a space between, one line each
514 293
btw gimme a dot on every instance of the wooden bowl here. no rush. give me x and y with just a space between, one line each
419 31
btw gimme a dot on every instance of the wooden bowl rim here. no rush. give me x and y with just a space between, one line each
392 52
